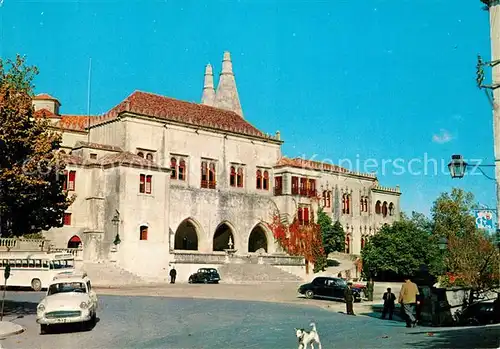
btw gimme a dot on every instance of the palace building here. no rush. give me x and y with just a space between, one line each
191 184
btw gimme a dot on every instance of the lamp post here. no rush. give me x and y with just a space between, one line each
116 223
458 167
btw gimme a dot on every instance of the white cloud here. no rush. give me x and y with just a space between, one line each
442 137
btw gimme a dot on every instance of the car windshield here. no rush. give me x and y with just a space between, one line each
66 287
342 282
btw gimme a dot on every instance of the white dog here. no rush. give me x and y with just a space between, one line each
308 337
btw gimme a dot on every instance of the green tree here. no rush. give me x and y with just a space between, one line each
31 195
451 214
400 249
471 259
333 235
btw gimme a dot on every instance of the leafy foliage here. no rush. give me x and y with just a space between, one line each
31 196
398 249
300 240
333 235
472 260
451 214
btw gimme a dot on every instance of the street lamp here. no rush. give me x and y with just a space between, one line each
457 166
116 223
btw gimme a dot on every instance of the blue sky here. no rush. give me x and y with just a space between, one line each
376 80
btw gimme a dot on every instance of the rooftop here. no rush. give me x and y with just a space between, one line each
166 108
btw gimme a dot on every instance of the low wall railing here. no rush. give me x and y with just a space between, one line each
222 257
23 244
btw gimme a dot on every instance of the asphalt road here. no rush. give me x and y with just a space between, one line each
159 322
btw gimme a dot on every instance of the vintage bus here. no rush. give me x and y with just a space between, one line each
34 269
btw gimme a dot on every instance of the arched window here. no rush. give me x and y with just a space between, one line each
204 174
149 156
239 178
258 184
265 183
328 199
378 208
143 232
343 203
346 204
141 154
232 177
211 176
173 167
182 170
391 209
324 198
384 209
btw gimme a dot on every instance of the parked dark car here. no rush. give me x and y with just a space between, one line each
480 313
328 288
205 276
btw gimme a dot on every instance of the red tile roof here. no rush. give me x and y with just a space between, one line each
184 112
65 122
45 96
74 122
45 113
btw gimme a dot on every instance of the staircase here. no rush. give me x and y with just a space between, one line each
107 274
250 273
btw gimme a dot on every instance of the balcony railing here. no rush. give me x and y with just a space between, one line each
310 193
208 184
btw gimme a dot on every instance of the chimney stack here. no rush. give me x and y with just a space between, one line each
208 96
226 96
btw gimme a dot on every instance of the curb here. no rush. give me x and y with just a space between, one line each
10 334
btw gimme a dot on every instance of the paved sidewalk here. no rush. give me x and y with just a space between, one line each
8 329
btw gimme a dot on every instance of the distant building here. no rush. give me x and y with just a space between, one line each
182 182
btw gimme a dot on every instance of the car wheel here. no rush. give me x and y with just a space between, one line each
205 281
44 329
309 294
190 281
36 284
473 321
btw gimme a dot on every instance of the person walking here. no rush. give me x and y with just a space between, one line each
349 299
173 275
389 303
408 298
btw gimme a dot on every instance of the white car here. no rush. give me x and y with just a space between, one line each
70 299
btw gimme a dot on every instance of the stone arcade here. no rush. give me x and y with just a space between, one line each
190 183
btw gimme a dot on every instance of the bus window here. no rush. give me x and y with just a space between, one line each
25 263
12 263
51 265
38 263
31 263
19 263
45 264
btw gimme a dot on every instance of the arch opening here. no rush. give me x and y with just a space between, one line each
186 236
221 237
74 242
257 240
